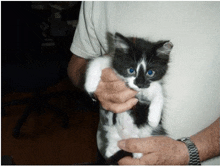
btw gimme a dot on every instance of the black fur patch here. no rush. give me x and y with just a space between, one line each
159 131
113 160
114 118
140 114
103 120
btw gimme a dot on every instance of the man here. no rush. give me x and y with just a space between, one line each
191 85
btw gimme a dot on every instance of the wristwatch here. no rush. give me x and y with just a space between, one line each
193 151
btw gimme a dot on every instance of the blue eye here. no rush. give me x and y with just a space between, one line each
131 71
150 73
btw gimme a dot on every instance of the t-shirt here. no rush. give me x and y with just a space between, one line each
192 83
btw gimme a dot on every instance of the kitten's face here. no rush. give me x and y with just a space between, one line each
141 62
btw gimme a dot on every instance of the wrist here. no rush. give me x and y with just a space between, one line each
207 141
184 153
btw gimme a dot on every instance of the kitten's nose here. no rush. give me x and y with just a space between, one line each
141 84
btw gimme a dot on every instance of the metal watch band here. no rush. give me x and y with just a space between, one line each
193 151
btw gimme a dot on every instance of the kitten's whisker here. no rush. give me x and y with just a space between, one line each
150 59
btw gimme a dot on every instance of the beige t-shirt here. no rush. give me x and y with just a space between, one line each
192 83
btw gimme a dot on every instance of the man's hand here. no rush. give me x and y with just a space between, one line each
157 150
113 93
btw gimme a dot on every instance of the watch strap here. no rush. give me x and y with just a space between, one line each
193 151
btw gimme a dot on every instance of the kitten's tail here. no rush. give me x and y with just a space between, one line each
113 160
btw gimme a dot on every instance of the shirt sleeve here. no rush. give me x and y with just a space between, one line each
85 42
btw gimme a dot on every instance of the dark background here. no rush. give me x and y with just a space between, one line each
35 42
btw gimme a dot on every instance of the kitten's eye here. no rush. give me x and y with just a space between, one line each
131 71
150 73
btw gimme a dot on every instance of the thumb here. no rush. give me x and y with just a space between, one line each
135 145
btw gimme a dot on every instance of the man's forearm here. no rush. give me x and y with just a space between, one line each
207 141
76 70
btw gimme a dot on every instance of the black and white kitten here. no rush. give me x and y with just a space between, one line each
142 65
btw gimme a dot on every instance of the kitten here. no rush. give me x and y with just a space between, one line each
142 65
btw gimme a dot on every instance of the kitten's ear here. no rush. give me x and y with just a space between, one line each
164 49
121 42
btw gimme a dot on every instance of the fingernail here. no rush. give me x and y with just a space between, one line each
121 144
135 101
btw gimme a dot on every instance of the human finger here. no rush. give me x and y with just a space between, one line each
109 75
129 161
152 159
121 107
158 159
114 96
115 85
136 145
122 96
146 159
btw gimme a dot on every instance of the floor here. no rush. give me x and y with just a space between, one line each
42 140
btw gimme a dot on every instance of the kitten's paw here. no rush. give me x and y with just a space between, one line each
154 115
111 151
137 155
108 154
153 124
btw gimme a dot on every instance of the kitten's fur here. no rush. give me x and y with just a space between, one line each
131 61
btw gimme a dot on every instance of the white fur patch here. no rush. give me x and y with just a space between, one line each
155 95
98 138
94 72
130 82
137 155
113 138
143 64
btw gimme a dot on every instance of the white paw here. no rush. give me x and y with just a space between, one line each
137 155
94 72
154 115
153 124
108 154
92 80
111 151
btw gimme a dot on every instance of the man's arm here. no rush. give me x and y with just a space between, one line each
207 141
76 70
163 150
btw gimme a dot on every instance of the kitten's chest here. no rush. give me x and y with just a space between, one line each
125 125
126 128
144 96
